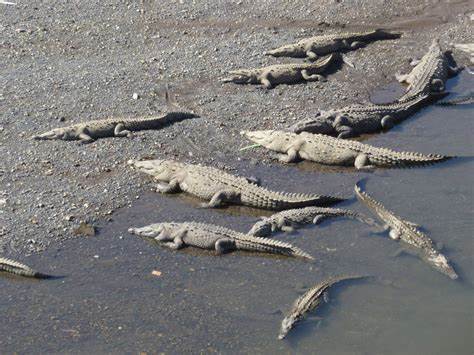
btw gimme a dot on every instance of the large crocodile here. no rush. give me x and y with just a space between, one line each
408 233
282 73
309 301
335 151
430 73
316 46
219 187
17 268
208 236
357 119
288 220
88 132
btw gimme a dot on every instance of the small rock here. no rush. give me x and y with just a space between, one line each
85 229
135 96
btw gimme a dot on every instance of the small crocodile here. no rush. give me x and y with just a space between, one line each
313 47
208 236
88 132
282 73
409 233
288 220
309 301
429 74
17 268
335 151
354 120
219 187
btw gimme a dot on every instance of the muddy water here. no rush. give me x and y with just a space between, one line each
109 302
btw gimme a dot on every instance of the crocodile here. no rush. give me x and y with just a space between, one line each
408 233
430 72
309 301
357 119
208 236
277 74
313 47
288 220
335 151
88 132
17 268
219 187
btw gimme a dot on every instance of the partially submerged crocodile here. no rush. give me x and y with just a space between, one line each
208 236
282 73
409 233
88 132
219 187
335 151
309 301
316 46
17 268
357 119
429 74
288 220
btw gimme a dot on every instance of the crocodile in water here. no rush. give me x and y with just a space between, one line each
17 268
208 236
409 233
309 301
288 220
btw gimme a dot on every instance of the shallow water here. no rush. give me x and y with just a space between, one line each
108 301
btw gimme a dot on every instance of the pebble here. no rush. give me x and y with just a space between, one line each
135 96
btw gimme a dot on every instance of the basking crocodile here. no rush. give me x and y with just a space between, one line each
430 74
354 120
309 301
88 132
208 236
17 268
314 47
282 73
409 233
219 187
335 151
288 220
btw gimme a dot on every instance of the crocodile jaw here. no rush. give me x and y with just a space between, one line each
58 133
268 139
440 263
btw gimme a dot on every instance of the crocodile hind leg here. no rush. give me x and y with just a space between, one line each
362 162
290 156
84 136
356 45
120 131
311 55
221 197
265 81
224 245
311 77
437 85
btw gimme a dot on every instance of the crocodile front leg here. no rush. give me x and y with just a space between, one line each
167 188
177 242
290 156
311 77
224 245
120 131
356 45
84 136
345 132
221 197
311 55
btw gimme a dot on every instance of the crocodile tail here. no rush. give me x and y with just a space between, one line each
17 268
407 159
248 242
293 200
365 198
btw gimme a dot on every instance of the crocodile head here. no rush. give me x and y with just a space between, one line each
286 325
241 76
440 263
270 139
322 124
162 170
154 231
261 229
290 50
57 133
